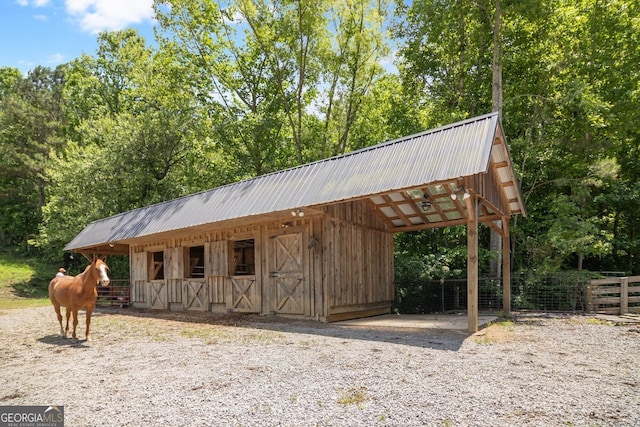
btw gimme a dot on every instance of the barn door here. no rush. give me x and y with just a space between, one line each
286 274
194 294
245 297
158 295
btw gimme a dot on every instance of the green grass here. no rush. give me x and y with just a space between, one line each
24 280
353 396
505 323
208 335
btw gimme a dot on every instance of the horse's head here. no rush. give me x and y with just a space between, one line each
101 270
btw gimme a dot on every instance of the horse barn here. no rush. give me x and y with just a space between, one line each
316 241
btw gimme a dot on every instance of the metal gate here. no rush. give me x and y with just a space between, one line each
117 293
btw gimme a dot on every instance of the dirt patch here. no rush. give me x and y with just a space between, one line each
146 368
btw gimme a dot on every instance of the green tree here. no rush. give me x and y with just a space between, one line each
31 131
230 74
569 94
267 66
151 144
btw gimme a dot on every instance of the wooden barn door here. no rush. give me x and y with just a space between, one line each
194 295
244 294
158 295
286 284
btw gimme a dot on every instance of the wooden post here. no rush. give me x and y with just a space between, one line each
590 298
472 262
506 267
624 295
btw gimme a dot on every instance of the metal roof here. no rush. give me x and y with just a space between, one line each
446 153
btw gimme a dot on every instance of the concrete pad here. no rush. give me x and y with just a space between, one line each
420 321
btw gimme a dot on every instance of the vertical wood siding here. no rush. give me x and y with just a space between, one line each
138 282
358 261
319 266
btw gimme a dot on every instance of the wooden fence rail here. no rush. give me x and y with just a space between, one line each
614 295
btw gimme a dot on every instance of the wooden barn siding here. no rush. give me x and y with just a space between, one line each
347 257
173 274
214 293
216 271
138 278
356 212
487 186
359 262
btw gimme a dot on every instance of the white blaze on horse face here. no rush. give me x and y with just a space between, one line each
104 279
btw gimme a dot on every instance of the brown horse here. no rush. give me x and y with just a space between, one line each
77 293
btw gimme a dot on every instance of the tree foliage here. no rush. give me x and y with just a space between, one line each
570 89
238 89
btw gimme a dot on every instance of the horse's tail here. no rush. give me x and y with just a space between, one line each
52 287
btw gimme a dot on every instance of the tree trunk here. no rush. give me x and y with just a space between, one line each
495 266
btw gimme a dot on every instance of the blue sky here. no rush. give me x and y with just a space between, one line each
52 32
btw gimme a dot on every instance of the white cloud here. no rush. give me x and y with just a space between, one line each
94 16
42 18
56 58
34 3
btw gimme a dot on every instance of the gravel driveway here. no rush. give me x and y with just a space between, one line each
176 369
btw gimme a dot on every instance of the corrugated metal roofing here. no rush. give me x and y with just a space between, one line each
457 150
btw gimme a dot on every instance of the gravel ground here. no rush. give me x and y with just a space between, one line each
187 369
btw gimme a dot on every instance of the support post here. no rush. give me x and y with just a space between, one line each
624 295
506 267
472 262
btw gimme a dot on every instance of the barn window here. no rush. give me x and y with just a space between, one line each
194 262
244 260
156 267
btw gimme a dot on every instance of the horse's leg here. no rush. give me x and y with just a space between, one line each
89 311
68 314
75 322
56 307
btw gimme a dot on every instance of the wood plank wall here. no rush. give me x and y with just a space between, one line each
347 255
175 290
358 262
486 185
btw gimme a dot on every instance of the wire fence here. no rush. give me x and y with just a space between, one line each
562 291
